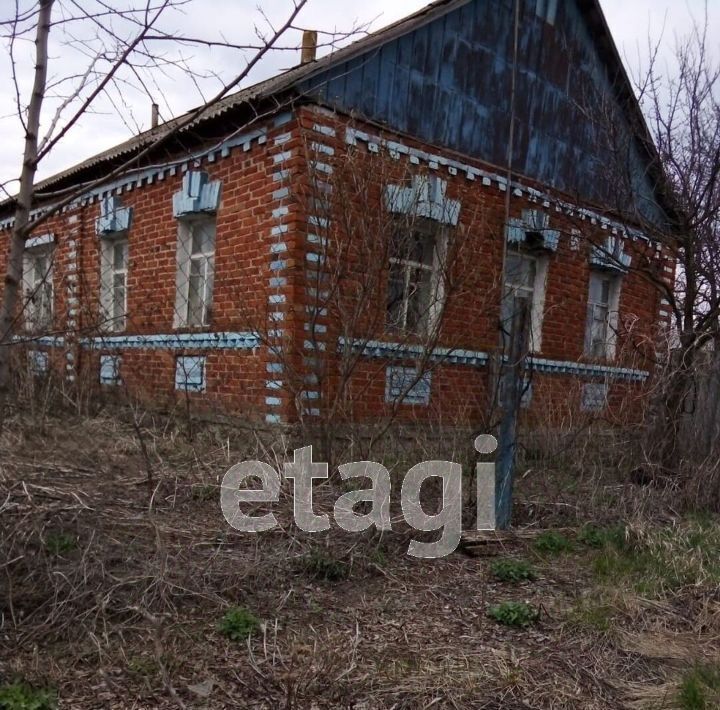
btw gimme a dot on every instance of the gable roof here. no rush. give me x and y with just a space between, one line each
289 84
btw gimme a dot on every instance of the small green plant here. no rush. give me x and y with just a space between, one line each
656 561
592 536
513 571
553 542
517 614
238 623
378 557
322 566
142 666
589 614
19 696
58 543
700 689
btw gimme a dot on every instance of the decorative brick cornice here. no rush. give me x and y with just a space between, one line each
457 356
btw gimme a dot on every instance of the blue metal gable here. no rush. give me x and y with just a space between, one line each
447 82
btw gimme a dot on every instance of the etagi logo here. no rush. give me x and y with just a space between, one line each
303 471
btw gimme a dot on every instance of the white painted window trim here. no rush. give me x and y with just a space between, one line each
537 314
107 282
437 281
538 293
613 317
181 316
110 370
186 365
33 251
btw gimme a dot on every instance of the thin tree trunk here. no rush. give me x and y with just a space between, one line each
13 274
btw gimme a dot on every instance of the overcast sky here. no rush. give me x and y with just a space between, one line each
631 22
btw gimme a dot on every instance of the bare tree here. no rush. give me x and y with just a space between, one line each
118 60
681 140
684 116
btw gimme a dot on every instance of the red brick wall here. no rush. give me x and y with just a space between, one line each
254 215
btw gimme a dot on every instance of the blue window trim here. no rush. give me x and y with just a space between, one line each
190 373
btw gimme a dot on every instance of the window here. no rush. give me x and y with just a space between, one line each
524 302
196 268
38 286
38 361
414 289
404 382
594 397
114 256
603 300
190 374
110 370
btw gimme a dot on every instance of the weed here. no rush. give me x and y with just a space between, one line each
378 557
141 666
19 696
518 614
592 536
700 689
321 566
663 560
592 615
553 542
513 571
238 623
60 543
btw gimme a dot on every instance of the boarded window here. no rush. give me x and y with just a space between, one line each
594 397
190 374
403 383
110 370
38 361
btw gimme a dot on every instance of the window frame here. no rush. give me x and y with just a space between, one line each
610 327
32 285
541 265
108 272
186 257
109 371
191 373
432 310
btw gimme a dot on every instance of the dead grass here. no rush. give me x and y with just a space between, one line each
129 614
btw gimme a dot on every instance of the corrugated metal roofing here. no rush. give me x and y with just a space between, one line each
262 90
289 81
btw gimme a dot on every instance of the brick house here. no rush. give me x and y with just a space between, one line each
330 243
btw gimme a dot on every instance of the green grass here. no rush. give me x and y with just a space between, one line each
321 565
592 615
513 571
516 614
238 623
553 542
596 537
19 696
662 560
700 689
59 543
